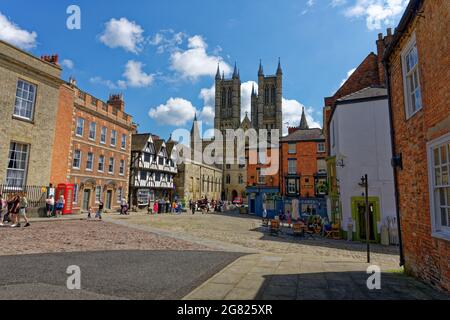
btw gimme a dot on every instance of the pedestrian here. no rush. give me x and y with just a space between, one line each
193 208
14 205
174 207
123 203
23 205
59 206
100 210
3 208
155 207
90 212
50 202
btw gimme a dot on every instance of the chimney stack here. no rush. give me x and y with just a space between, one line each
116 101
53 59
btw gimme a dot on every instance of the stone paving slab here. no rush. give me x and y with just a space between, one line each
321 280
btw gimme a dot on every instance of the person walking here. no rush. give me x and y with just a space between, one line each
156 207
122 206
50 205
193 207
100 210
90 212
23 205
14 205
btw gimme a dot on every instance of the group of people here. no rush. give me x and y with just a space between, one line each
55 209
12 209
205 206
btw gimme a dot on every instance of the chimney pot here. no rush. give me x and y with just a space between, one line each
380 36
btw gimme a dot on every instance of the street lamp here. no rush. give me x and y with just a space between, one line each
365 184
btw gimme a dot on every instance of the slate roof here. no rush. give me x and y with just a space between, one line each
305 135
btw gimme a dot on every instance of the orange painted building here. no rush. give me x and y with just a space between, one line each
256 167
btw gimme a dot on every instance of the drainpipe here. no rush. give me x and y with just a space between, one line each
394 167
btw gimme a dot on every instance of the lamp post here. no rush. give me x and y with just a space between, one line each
365 184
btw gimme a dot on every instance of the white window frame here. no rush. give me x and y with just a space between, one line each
76 189
113 165
25 163
103 137
98 197
289 166
123 142
113 137
122 167
119 195
289 148
80 160
92 161
93 126
437 230
101 157
321 147
78 126
405 74
20 100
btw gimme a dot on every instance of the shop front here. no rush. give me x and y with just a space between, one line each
264 199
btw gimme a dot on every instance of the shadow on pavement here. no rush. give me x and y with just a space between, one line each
344 286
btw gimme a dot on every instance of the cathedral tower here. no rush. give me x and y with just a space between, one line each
267 105
228 101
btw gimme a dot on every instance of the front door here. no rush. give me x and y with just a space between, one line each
359 216
86 199
108 199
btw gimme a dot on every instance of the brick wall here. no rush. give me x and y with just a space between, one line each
63 134
426 257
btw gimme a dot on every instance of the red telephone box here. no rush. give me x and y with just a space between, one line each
66 190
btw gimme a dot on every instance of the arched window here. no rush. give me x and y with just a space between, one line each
230 98
266 95
274 95
228 179
224 97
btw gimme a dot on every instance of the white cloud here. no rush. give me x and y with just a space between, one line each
135 76
376 12
16 36
195 61
108 83
175 112
167 40
349 73
209 100
292 114
311 3
337 3
124 34
69 64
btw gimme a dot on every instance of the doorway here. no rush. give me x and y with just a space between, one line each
108 199
359 217
86 199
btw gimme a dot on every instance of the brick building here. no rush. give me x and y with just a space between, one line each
418 66
303 169
29 92
92 148
263 180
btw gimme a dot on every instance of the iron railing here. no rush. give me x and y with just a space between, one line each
36 195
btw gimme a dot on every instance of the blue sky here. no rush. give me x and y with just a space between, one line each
162 55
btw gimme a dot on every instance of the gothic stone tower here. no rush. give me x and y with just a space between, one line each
228 101
267 104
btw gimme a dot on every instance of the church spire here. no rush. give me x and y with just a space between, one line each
218 72
261 70
279 70
304 123
235 72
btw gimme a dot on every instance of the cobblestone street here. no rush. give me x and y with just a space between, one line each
82 236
